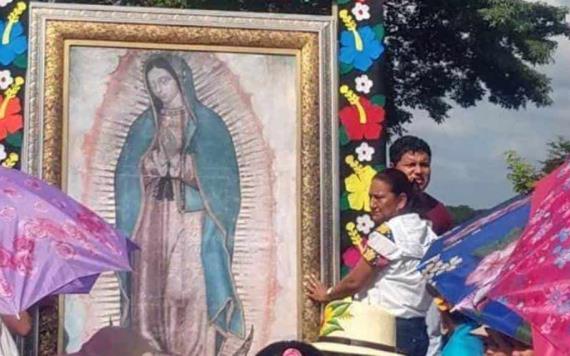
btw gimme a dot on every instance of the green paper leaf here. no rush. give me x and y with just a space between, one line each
379 167
379 31
344 202
15 139
345 68
341 310
343 136
344 270
330 329
22 61
379 100
333 322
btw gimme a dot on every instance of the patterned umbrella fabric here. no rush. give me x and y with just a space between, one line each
464 263
536 279
50 244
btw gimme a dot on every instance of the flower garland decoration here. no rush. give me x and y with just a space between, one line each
361 119
13 63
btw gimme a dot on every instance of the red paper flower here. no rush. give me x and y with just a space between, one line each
362 121
11 119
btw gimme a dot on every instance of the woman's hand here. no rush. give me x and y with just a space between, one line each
315 290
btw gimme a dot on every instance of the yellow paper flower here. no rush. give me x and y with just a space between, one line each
358 184
384 229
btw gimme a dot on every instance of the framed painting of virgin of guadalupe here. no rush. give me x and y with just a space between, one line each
207 138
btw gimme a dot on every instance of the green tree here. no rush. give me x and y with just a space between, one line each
286 6
462 213
523 175
464 51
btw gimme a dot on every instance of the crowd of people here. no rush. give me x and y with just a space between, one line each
417 321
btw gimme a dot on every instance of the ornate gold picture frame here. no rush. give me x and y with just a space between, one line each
94 74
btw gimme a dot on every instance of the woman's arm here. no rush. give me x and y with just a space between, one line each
354 282
21 326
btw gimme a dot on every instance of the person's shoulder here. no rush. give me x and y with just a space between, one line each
438 214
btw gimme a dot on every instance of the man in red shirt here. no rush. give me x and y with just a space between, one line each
412 155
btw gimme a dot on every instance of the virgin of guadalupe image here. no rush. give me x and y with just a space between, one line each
177 189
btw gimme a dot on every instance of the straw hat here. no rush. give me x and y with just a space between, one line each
357 328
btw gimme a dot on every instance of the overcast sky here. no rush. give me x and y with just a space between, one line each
468 148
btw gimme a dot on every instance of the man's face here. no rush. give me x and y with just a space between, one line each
417 166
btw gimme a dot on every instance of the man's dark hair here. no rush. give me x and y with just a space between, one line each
407 144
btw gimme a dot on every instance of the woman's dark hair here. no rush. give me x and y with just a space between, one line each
278 348
400 184
407 144
162 63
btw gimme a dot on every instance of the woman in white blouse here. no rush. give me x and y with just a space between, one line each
387 274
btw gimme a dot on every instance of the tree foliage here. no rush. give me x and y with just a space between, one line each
462 213
523 175
464 51
286 6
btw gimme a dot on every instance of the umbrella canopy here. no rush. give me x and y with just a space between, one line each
464 263
536 279
49 243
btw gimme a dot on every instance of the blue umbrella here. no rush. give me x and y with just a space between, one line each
463 264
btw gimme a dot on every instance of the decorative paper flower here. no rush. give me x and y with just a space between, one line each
350 116
5 79
12 120
360 47
358 185
361 11
11 161
17 43
3 153
5 2
334 312
363 84
351 256
364 224
364 152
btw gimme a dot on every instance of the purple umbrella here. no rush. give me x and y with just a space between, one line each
50 244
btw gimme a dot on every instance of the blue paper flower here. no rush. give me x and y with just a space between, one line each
17 44
360 48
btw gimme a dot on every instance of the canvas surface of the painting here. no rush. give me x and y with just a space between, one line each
194 155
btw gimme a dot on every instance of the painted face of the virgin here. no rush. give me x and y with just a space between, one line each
163 85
